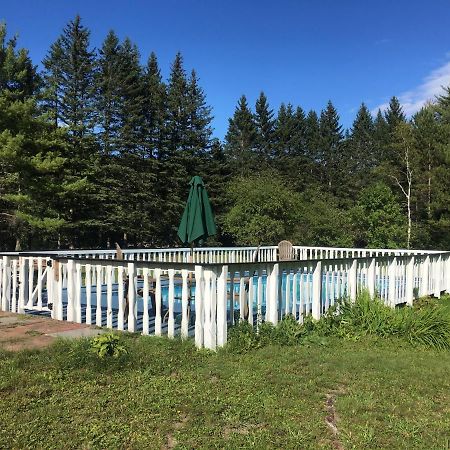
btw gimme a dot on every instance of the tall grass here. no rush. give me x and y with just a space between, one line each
428 326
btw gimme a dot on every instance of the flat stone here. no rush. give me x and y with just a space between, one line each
78 333
9 320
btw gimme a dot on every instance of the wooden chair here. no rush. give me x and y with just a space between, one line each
285 251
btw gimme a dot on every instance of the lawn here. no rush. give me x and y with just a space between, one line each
329 393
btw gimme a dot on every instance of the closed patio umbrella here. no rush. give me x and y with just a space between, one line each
197 222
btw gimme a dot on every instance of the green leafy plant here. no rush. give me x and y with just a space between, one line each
108 345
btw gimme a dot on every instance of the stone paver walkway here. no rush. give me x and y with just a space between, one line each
26 331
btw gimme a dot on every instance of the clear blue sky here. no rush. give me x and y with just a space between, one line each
304 52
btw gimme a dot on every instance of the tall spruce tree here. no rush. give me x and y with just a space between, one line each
394 114
30 161
69 96
241 139
331 137
362 143
108 98
154 108
265 127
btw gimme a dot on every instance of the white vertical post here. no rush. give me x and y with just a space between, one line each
371 277
250 298
77 289
6 284
222 307
131 298
353 280
424 274
70 290
109 317
39 283
199 316
88 283
207 309
171 298
158 302
242 295
409 280
23 288
184 304
30 281
145 293
272 301
98 309
121 299
317 290
437 276
392 281
58 290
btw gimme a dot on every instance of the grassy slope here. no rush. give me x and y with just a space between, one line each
164 394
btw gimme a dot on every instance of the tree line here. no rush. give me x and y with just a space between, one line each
98 148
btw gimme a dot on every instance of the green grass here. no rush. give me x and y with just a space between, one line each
382 393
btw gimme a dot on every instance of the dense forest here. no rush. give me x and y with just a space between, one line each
98 148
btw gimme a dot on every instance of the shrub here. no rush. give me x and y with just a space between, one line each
107 345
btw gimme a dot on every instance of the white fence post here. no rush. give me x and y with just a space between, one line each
272 300
317 290
409 281
392 281
131 298
424 274
437 276
6 284
199 306
353 280
371 277
222 307
70 290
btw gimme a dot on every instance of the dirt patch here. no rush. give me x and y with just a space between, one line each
171 441
332 418
19 331
241 429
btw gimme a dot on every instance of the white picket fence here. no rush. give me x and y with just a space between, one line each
168 294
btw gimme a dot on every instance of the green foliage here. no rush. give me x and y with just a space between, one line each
108 345
263 210
378 219
429 326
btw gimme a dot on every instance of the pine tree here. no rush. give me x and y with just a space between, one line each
265 127
108 93
199 131
177 112
362 143
19 79
330 148
30 149
394 115
69 96
154 108
241 139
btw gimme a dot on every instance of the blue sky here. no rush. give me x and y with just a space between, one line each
303 52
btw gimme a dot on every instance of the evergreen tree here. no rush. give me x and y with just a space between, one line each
394 115
333 165
108 93
362 143
69 96
19 79
154 108
199 131
241 139
265 127
30 161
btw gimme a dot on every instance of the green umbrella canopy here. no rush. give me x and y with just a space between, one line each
197 222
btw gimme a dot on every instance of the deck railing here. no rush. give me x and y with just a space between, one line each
163 292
